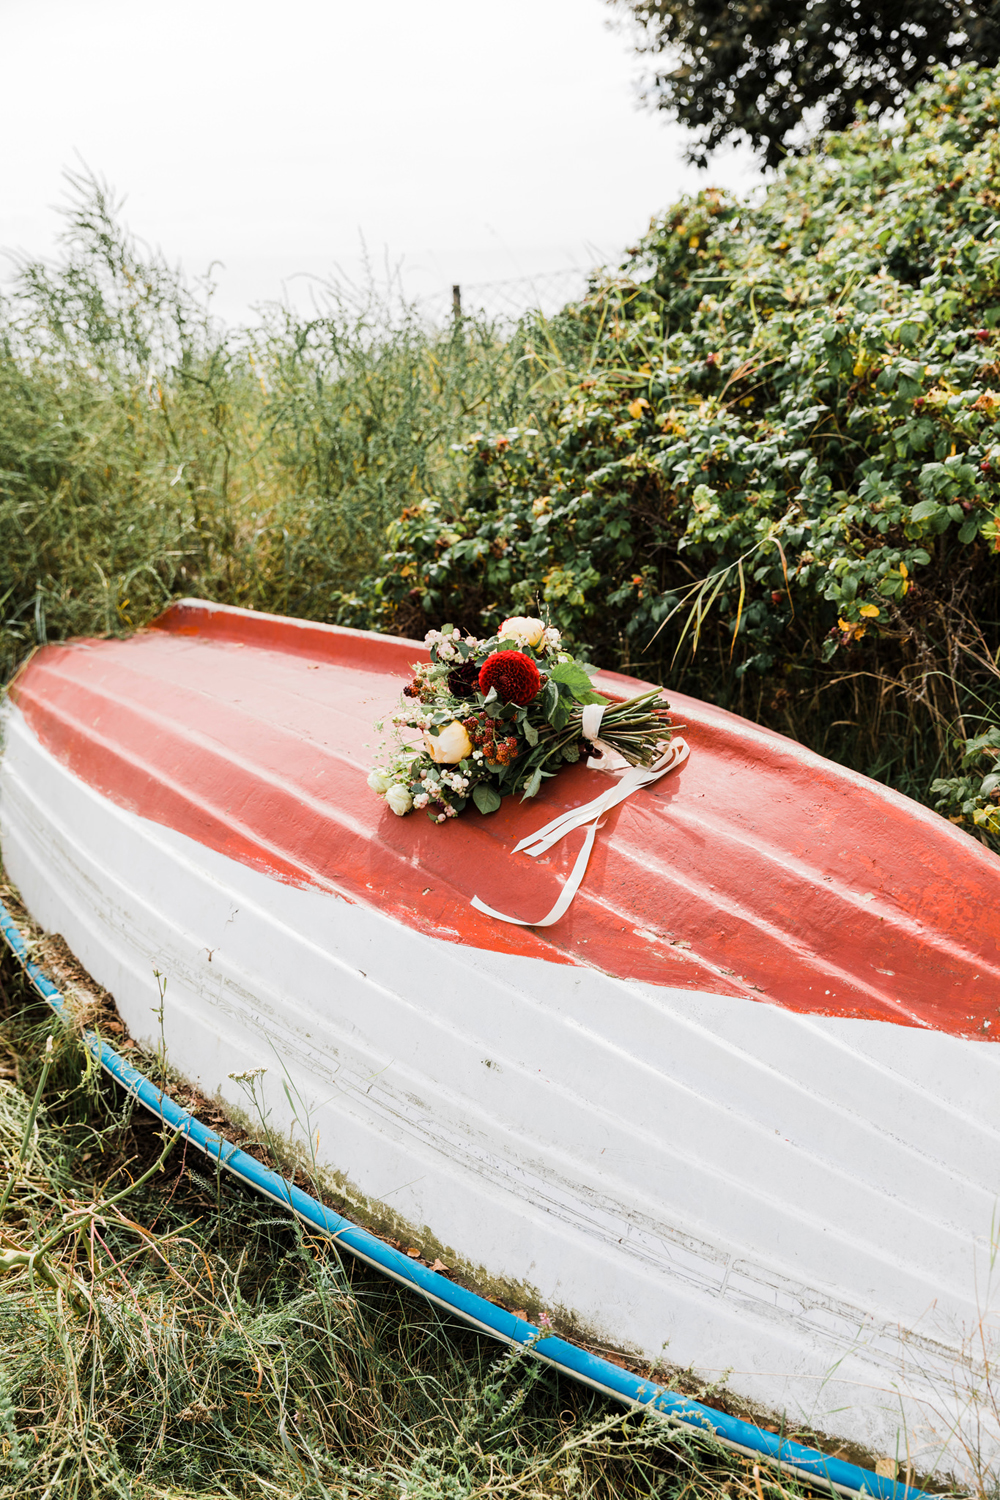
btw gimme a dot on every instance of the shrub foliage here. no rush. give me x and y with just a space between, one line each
776 440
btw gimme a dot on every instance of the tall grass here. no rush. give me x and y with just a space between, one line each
178 1337
146 451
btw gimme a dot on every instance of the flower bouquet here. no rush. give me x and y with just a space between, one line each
501 715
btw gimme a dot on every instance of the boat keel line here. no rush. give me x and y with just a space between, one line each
795 1459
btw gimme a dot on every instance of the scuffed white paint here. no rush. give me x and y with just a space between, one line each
805 1201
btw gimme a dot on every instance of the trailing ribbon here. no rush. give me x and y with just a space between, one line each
591 812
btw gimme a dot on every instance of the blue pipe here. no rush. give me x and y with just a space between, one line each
806 1463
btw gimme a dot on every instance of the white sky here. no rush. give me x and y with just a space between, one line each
470 142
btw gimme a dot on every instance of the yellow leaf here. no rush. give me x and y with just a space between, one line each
903 571
870 611
693 242
635 407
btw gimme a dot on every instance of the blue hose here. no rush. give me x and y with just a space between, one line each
807 1464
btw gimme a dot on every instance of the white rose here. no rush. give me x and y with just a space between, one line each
379 782
450 745
399 799
525 631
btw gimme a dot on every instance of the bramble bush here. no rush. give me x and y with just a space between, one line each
773 438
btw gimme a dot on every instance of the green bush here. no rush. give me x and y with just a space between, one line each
775 440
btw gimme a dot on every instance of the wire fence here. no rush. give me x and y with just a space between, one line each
506 301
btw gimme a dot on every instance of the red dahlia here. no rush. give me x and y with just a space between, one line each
514 675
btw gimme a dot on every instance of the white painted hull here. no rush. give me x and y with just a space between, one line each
803 1201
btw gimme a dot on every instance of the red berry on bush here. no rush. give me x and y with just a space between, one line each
983 335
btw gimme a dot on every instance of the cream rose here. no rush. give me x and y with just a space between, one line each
379 782
450 745
399 799
523 629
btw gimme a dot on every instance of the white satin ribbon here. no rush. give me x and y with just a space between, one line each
590 726
591 812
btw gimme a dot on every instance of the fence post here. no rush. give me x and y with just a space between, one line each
456 302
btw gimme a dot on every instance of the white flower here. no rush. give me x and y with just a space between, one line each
399 799
421 799
379 782
552 637
523 629
450 745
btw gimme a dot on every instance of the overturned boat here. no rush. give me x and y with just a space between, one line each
737 1110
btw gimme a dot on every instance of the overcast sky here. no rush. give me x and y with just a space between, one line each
470 142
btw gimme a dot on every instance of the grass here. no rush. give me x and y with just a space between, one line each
147 452
164 1334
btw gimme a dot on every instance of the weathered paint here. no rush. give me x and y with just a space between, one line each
759 869
802 1191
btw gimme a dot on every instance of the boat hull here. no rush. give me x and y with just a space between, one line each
802 1200
736 1112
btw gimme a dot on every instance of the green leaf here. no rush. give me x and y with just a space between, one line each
924 509
559 715
572 674
486 797
531 789
530 733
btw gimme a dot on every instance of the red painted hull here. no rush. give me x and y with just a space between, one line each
758 869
